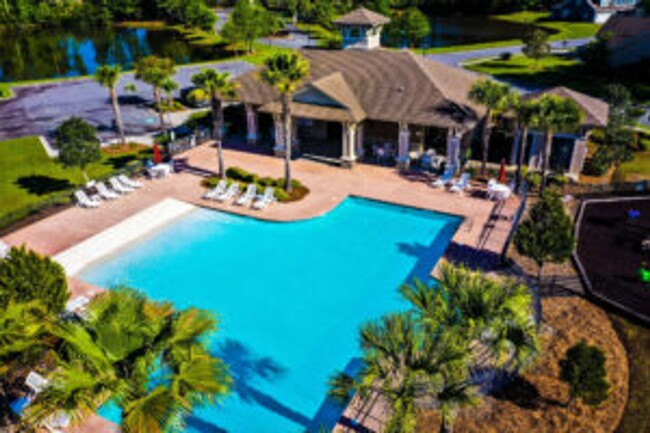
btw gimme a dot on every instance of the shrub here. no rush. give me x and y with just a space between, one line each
266 181
243 177
583 370
26 276
505 56
281 195
559 180
534 179
598 164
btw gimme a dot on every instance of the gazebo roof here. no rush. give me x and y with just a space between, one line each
362 17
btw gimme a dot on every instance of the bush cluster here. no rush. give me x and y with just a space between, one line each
243 177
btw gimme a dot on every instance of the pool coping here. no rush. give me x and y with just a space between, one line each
116 237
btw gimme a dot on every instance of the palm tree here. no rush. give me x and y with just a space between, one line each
169 86
494 97
405 364
143 356
108 76
284 72
219 86
154 71
496 313
454 395
526 112
555 113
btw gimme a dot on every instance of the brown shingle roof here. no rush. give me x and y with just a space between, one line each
362 17
596 111
623 28
387 86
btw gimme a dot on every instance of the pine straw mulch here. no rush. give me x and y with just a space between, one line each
535 402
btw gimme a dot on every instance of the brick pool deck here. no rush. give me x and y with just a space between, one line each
479 235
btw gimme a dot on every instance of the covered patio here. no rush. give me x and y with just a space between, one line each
371 106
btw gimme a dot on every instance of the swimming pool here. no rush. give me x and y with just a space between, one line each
290 298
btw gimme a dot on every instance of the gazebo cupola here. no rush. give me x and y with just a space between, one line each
361 28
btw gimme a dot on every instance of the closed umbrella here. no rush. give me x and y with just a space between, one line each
157 155
502 171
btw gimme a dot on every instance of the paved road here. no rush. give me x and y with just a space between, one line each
457 59
39 109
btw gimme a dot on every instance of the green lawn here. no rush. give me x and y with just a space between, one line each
638 168
561 30
5 90
28 176
562 71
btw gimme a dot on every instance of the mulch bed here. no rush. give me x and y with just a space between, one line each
609 247
536 401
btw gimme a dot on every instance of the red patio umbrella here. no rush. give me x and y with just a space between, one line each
502 171
157 156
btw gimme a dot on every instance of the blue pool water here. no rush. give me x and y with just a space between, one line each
290 298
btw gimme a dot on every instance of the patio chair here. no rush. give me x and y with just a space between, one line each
232 191
77 306
104 192
119 187
83 200
4 250
129 182
461 184
247 197
263 201
445 178
217 190
36 382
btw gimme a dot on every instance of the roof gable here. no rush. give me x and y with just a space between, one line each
362 17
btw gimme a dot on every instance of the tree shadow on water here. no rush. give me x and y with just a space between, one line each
246 368
42 185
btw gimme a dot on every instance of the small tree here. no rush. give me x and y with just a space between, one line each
619 135
108 76
583 369
410 26
494 97
78 144
536 45
248 22
546 235
155 71
26 276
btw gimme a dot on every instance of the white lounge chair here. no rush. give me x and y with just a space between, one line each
104 192
129 182
119 187
4 250
36 382
217 190
232 191
263 201
461 184
77 305
247 197
445 178
83 200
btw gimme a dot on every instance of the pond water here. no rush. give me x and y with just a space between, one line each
450 31
70 52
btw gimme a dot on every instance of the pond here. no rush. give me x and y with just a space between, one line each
70 52
450 31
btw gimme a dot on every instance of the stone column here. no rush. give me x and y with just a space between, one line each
404 145
349 143
360 149
578 157
515 147
453 149
279 134
535 156
251 124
